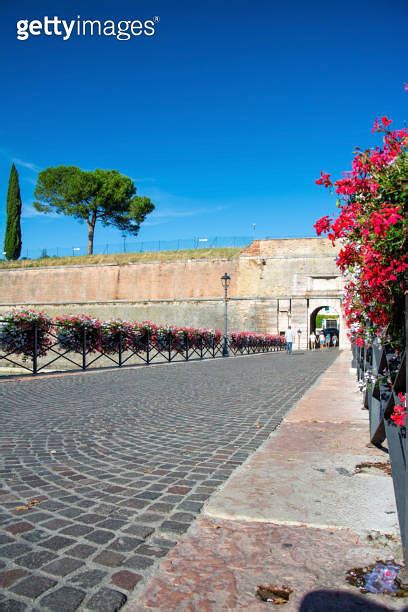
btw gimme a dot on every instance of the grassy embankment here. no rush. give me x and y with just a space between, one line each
124 258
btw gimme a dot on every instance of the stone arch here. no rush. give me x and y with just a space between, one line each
317 304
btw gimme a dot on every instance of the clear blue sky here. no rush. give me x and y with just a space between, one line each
224 118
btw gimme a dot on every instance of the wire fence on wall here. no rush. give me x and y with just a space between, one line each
142 246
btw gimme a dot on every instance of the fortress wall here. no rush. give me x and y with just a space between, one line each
189 278
274 282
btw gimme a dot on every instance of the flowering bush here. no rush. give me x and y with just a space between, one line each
179 338
17 332
240 340
140 334
114 336
202 338
399 415
372 231
163 336
78 331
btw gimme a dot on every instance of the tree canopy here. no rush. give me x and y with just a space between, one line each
100 195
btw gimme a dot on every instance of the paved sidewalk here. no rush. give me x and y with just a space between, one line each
295 513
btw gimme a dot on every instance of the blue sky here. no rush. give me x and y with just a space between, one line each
224 118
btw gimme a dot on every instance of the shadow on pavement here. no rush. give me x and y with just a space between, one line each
336 601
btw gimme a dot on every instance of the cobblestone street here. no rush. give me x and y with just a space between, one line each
102 472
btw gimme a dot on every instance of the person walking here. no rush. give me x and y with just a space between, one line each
328 338
334 340
312 341
321 340
289 340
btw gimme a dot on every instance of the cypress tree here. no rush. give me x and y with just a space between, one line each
12 240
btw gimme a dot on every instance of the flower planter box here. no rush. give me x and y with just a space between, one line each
377 429
397 445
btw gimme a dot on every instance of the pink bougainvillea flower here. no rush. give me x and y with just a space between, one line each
399 414
322 225
370 226
324 180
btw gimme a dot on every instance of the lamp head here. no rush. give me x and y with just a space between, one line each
226 280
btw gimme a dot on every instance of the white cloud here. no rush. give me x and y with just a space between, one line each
154 223
193 212
145 179
29 212
30 180
25 164
172 206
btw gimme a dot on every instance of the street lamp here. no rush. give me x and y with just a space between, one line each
299 332
225 280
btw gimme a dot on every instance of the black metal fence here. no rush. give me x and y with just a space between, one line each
382 374
141 246
147 246
37 350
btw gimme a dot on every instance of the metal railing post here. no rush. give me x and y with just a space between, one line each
120 349
84 349
35 349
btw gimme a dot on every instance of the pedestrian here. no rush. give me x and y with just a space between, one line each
321 340
312 341
289 340
334 340
328 338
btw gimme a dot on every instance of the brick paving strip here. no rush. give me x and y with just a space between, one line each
102 474
295 513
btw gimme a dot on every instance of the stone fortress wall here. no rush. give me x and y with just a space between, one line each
274 282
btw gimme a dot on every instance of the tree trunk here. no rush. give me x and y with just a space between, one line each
91 231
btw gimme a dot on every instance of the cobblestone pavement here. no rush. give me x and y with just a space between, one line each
103 472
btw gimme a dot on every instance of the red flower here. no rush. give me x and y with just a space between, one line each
370 228
322 225
400 412
380 125
324 179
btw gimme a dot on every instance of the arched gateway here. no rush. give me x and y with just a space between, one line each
297 278
326 319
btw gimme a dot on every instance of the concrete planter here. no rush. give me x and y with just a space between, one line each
377 428
385 365
397 445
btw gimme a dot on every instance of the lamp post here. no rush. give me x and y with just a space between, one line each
225 280
299 333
